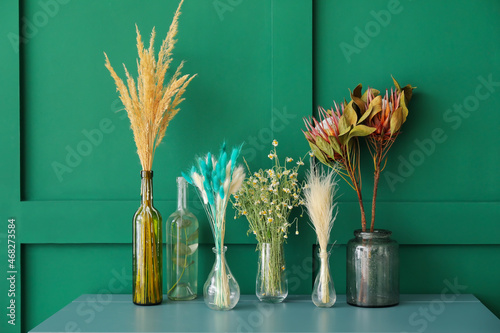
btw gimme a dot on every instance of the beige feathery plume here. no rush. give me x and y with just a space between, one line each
237 181
318 197
150 104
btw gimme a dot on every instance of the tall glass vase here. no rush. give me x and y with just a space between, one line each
272 283
323 294
221 291
147 247
182 249
372 269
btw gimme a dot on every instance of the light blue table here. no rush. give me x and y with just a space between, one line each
415 313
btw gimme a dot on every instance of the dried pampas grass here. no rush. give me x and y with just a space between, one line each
319 193
150 104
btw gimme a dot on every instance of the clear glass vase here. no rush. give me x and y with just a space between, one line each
221 291
147 248
372 269
182 249
272 283
323 294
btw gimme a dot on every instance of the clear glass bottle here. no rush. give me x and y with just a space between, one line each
182 249
147 248
272 283
323 295
372 269
221 291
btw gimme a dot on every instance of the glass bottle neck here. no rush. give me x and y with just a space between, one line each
324 257
146 187
181 194
218 251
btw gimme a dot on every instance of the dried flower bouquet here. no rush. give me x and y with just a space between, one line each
319 194
151 103
216 179
266 199
334 137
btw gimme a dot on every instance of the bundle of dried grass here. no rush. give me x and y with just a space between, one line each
318 197
319 194
150 104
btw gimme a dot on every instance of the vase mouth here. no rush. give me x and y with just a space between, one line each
214 250
146 173
377 233
270 244
321 253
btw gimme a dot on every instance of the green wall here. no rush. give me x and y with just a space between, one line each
262 65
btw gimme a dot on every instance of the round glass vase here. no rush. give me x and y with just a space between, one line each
323 294
221 291
272 283
147 248
372 269
182 249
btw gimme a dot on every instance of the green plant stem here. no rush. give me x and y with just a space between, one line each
183 267
375 187
362 208
352 174
271 263
324 277
376 177
351 167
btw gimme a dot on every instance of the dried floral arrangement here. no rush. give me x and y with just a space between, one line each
266 199
334 137
150 102
319 194
216 179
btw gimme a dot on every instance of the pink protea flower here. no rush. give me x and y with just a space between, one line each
334 142
387 114
326 129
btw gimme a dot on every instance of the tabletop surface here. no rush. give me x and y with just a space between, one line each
415 313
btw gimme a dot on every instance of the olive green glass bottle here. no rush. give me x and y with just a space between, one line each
147 247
